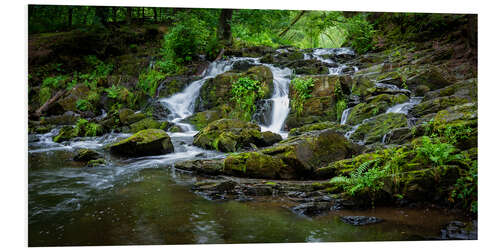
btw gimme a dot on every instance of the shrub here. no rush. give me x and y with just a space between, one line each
44 95
83 105
360 33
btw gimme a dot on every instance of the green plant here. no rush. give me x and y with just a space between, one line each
340 106
54 82
86 128
113 91
148 82
360 33
465 189
83 105
44 95
303 90
244 92
436 153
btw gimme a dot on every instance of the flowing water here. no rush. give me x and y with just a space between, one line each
146 201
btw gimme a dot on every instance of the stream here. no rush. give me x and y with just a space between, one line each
145 200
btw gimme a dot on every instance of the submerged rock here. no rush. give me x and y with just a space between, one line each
457 230
143 143
360 220
230 135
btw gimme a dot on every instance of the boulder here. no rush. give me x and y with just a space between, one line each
86 155
319 126
217 91
373 130
68 101
128 116
294 158
374 106
230 135
143 143
436 104
148 123
65 133
434 77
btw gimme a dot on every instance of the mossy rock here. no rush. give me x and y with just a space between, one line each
68 101
128 116
66 133
374 106
143 143
86 155
230 135
96 163
319 126
217 91
373 130
148 123
436 104
434 77
201 119
256 165
464 89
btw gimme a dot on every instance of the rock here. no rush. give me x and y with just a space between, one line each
270 138
86 155
214 190
201 119
66 133
361 85
465 89
319 126
435 105
263 112
312 208
374 106
175 129
229 135
295 158
217 91
373 130
148 123
68 101
343 167
128 116
174 84
96 163
68 118
210 167
158 110
421 90
143 143
360 220
434 77
457 230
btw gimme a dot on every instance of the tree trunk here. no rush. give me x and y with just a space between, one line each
155 14
101 14
129 15
70 17
45 106
114 9
295 20
224 30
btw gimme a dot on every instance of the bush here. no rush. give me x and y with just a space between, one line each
44 95
303 89
83 105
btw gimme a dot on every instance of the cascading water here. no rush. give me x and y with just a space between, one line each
280 100
181 105
319 53
405 107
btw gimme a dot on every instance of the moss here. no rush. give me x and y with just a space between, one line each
145 124
66 133
437 104
144 142
253 164
373 130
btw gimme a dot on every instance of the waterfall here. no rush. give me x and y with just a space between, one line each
318 53
181 105
345 114
404 107
280 100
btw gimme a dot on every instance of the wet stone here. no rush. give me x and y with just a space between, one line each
360 220
312 208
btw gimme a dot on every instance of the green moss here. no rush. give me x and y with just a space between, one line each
145 124
373 131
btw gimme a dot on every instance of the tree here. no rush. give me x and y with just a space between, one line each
224 34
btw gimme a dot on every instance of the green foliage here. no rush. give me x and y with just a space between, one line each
465 189
303 90
244 92
340 106
83 105
437 153
55 82
44 95
187 38
148 82
113 91
360 33
86 128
